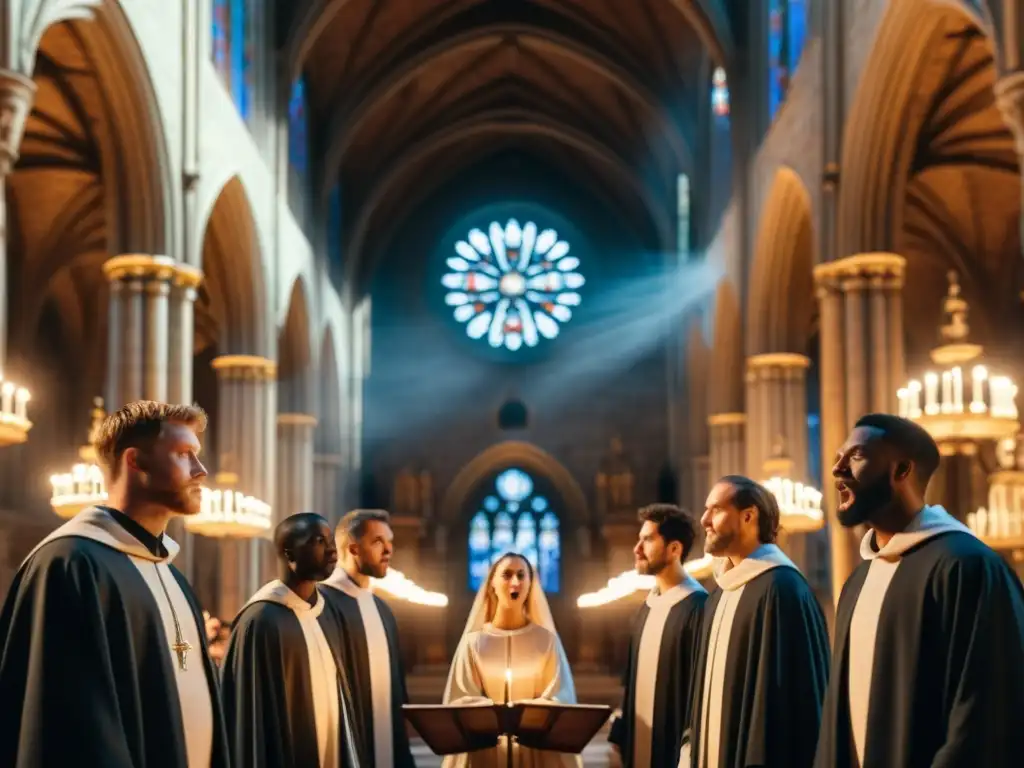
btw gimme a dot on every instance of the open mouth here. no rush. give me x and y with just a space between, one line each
514 594
846 496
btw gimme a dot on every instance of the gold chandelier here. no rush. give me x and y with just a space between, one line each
799 503
945 403
229 513
1001 523
14 423
83 486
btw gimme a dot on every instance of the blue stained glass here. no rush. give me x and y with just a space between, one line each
241 58
509 521
796 31
778 73
513 284
720 105
298 129
222 39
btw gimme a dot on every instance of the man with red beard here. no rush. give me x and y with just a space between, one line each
928 667
103 659
371 654
765 655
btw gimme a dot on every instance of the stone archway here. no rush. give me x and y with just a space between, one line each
455 515
780 305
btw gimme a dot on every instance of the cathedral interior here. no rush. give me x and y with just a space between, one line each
511 270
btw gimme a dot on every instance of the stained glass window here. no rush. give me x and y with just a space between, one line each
222 38
298 139
515 518
720 94
512 285
233 43
787 32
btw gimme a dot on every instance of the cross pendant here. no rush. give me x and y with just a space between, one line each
182 649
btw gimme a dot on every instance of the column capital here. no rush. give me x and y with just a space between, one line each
242 366
862 266
296 420
725 419
1009 91
17 93
141 266
778 360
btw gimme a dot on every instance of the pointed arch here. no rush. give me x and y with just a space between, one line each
231 310
296 392
780 305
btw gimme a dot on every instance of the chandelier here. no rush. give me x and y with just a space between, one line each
83 486
1001 523
945 403
229 513
14 423
799 504
628 582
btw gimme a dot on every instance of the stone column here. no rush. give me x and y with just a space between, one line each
860 306
182 334
242 435
294 464
727 444
17 93
139 343
777 411
326 486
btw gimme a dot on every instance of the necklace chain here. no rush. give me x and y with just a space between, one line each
181 646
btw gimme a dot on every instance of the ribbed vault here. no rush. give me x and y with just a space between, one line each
409 94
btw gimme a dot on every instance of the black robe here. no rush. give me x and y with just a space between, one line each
268 693
86 676
947 681
776 674
672 679
355 657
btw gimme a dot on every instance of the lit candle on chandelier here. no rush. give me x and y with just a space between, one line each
508 686
978 376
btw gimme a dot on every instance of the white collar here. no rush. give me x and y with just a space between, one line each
929 522
670 597
342 581
762 559
276 592
97 524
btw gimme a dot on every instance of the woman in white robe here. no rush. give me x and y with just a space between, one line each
510 634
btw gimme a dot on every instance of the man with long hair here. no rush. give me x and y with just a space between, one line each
103 656
658 678
764 652
928 666
371 653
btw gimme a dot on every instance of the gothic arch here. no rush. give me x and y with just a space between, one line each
296 392
232 307
886 119
780 304
526 456
725 385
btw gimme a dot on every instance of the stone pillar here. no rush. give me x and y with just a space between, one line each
727 444
294 464
140 352
327 487
17 93
860 306
244 382
777 411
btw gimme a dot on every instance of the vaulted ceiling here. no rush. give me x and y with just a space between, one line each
403 95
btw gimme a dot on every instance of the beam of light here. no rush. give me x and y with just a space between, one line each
628 582
397 584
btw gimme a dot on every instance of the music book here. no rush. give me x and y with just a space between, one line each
454 729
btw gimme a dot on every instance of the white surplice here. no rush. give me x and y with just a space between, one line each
539 671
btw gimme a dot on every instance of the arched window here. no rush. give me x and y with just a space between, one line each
513 517
298 137
512 285
232 51
787 32
720 96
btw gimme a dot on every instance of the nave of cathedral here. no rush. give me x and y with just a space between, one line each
511 271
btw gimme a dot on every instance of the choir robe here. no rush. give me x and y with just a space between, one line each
285 699
658 679
88 675
928 668
372 658
764 663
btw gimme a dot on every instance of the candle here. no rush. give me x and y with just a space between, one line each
931 393
958 390
978 376
915 399
508 686
904 397
7 399
947 392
